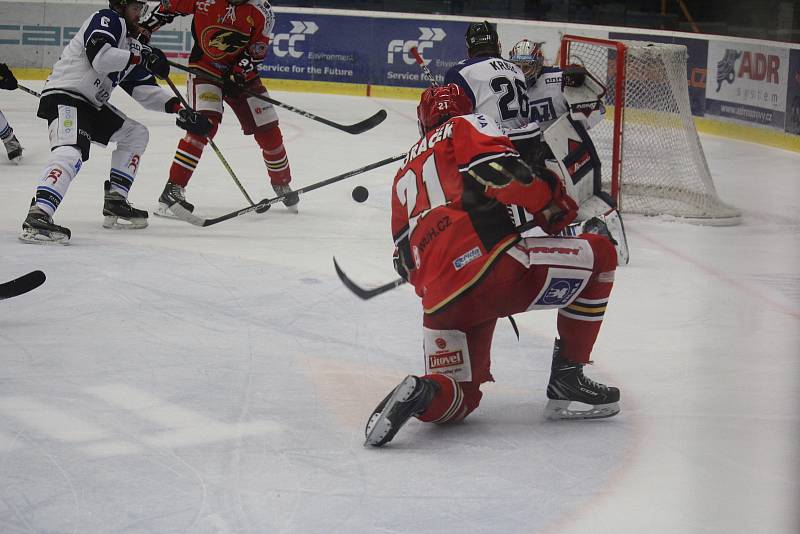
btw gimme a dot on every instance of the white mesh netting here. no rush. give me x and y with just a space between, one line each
664 170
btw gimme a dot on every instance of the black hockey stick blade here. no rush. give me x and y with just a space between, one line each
21 285
360 292
359 127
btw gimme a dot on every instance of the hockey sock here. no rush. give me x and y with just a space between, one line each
124 165
6 131
448 404
187 156
579 323
271 143
64 164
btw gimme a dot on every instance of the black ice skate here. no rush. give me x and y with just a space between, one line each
290 201
39 228
568 384
410 398
13 149
116 207
173 194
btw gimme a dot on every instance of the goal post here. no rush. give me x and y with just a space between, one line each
652 161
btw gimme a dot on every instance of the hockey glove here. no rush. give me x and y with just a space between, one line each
400 265
561 210
573 76
194 122
7 79
157 19
156 62
244 71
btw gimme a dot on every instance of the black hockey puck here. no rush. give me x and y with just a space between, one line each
264 208
360 193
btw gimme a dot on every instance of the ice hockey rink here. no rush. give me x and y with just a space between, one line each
217 380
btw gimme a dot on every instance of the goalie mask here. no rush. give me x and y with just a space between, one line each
528 56
440 103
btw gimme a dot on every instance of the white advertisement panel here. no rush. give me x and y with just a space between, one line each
747 82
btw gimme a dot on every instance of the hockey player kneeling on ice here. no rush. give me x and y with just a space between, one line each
103 54
456 245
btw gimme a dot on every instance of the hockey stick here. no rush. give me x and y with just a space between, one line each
29 91
23 284
357 128
366 294
362 293
425 69
189 217
213 144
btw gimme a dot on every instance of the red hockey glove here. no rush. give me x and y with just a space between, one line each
557 215
158 18
244 71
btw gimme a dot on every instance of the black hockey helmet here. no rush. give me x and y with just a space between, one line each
119 5
482 38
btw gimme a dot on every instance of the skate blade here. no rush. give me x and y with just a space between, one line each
117 223
35 238
166 213
379 427
292 209
560 410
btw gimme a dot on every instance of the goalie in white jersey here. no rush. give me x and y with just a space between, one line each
103 54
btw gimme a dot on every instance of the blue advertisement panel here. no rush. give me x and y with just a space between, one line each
696 64
362 50
793 94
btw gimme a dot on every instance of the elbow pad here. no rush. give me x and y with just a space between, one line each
501 172
96 43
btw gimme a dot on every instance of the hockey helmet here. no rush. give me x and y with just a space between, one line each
120 5
482 38
528 56
439 103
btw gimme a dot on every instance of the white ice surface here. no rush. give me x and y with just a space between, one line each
217 380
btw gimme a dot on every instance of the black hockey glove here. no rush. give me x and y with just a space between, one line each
573 76
7 79
194 122
157 19
156 62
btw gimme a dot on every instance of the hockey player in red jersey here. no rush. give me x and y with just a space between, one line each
456 245
230 40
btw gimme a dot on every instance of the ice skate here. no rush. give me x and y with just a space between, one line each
119 214
172 194
569 385
14 149
410 398
290 201
39 229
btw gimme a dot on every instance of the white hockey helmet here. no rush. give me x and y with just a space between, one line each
529 57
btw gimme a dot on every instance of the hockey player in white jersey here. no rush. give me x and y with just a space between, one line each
545 85
495 86
497 89
13 148
103 54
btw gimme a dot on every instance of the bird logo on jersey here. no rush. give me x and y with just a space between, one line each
219 42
